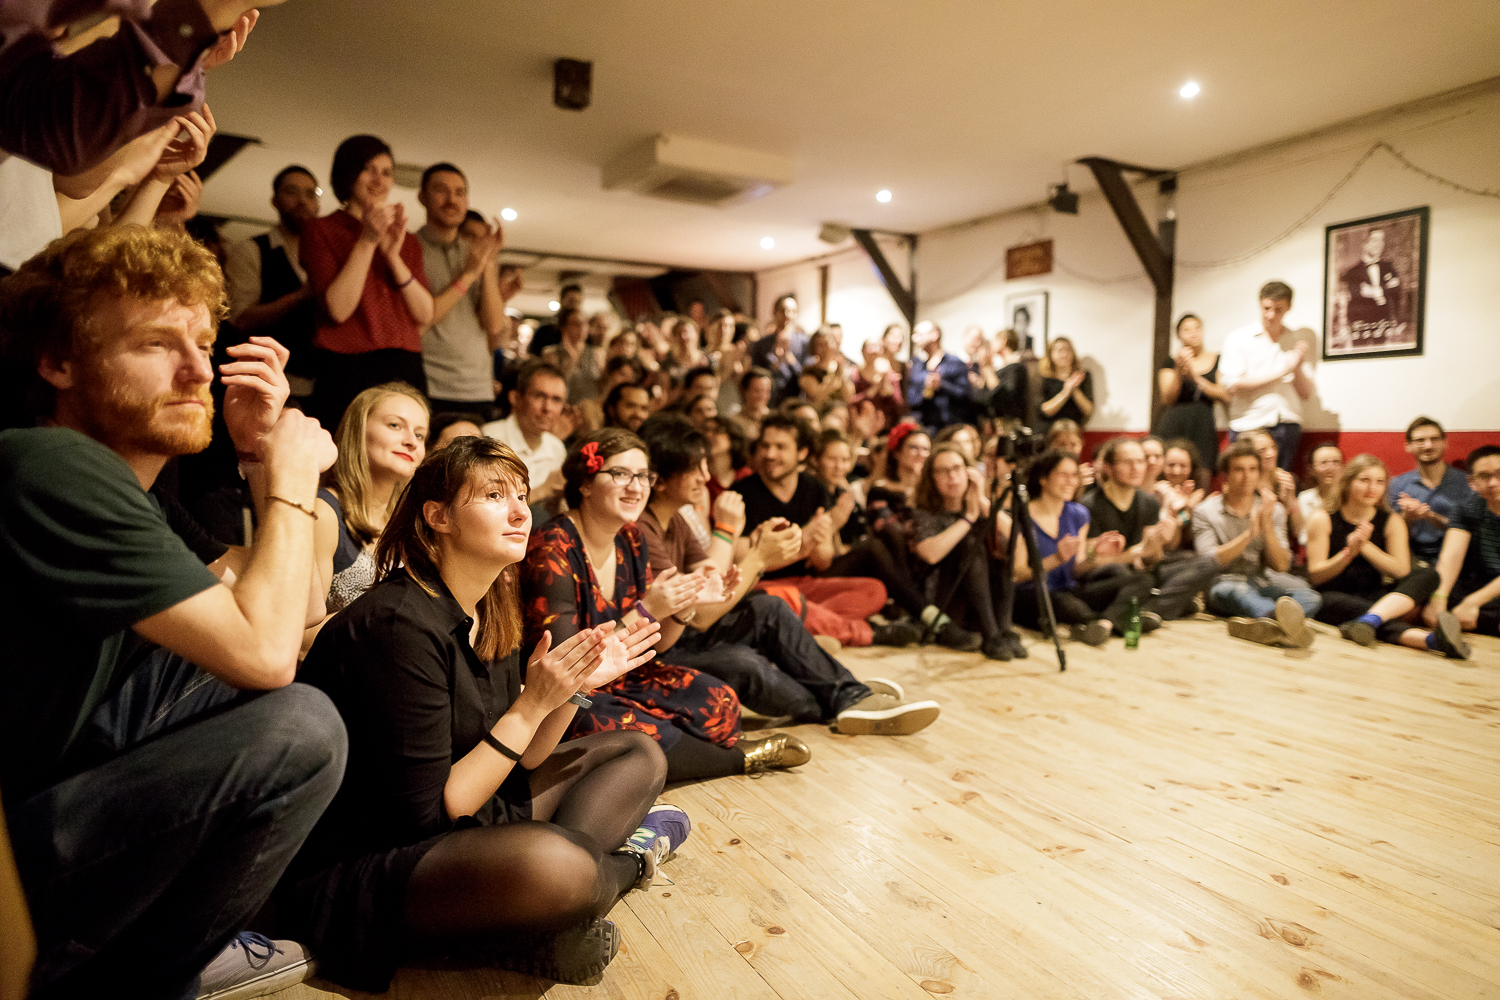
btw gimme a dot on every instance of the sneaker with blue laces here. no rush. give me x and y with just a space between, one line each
657 839
253 965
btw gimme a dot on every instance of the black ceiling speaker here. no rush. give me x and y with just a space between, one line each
1063 200
572 83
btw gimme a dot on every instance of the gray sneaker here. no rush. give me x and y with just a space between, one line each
883 715
1293 621
252 966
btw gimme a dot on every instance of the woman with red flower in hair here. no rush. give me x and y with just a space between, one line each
588 568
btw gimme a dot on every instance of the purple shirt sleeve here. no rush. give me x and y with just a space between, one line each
67 113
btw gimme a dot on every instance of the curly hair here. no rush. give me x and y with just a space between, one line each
611 441
49 306
928 496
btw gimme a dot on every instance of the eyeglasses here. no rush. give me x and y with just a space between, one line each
622 477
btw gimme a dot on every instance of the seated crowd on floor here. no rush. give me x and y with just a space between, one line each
331 583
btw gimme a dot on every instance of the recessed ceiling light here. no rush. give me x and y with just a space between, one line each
508 214
554 305
1189 90
882 196
767 243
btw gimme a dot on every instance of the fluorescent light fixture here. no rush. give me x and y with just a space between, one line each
882 196
508 214
767 243
1189 90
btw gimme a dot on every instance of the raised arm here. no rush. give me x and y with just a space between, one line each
249 637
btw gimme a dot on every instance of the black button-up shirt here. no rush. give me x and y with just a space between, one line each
415 697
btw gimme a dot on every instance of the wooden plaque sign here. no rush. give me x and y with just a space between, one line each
1029 260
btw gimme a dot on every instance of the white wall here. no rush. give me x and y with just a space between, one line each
1100 297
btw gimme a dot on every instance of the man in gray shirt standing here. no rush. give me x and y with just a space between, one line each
1245 529
468 317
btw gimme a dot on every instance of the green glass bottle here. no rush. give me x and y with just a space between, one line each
1133 625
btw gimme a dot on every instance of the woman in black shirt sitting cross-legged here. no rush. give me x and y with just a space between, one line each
461 825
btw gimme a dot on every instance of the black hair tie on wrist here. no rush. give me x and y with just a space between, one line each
505 750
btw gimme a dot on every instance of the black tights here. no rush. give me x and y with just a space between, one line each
875 556
691 758
963 583
554 871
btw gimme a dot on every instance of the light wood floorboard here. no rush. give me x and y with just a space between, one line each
1201 818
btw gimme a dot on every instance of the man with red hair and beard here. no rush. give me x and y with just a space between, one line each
158 767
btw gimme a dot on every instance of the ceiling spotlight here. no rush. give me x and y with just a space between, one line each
882 196
554 305
1189 90
1063 200
766 243
508 214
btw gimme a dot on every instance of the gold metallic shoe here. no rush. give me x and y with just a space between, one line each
776 750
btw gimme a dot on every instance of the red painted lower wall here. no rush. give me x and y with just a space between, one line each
1388 446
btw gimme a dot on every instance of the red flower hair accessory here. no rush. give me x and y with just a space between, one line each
595 460
898 434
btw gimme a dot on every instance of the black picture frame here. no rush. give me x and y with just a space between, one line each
1375 308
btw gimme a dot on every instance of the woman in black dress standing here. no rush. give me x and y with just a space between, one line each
1189 390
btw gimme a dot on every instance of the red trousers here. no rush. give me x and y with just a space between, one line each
837 606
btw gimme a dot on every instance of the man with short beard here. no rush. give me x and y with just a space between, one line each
752 640
159 768
837 607
268 291
1245 530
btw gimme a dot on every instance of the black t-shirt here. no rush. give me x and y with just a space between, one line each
761 505
186 527
1143 512
415 698
85 554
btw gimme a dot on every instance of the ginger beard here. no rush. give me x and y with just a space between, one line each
161 424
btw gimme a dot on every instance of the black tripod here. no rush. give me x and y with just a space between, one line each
1005 606
1020 518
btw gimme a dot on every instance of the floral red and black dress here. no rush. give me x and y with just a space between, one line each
559 593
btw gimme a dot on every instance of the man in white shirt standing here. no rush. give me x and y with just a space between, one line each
535 403
1267 375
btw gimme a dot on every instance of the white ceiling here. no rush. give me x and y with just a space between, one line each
959 108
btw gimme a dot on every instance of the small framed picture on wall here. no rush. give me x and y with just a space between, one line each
1026 313
1375 286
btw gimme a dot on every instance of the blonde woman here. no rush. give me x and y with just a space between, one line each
1067 390
1353 548
382 438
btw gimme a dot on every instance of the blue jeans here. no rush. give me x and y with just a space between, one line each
1287 438
1233 597
186 799
762 650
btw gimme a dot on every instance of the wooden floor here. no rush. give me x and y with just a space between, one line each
1201 818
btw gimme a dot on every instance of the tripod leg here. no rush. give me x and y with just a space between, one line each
1021 521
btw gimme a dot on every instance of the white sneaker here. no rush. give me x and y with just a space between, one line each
252 966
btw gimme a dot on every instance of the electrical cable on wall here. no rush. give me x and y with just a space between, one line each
1286 234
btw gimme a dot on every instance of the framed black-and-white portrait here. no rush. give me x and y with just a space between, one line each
1375 286
1026 313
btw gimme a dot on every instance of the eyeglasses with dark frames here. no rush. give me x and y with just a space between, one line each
622 477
